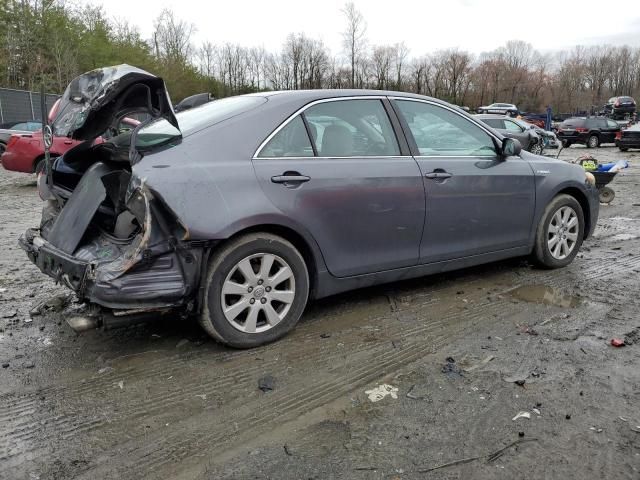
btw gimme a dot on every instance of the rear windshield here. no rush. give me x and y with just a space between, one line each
573 122
196 119
626 99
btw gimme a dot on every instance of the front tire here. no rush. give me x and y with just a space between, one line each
560 232
256 290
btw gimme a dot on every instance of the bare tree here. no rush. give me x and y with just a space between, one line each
354 38
172 38
401 52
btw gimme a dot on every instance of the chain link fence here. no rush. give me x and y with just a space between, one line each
22 105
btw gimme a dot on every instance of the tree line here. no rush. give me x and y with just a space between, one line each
50 42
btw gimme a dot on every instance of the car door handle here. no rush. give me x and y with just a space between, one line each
438 175
290 179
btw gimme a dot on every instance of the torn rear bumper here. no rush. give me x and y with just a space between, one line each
167 280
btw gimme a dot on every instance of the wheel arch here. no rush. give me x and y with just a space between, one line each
307 247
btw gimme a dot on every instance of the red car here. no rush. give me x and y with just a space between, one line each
25 152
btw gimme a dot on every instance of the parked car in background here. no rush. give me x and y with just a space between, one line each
513 128
589 131
630 138
500 109
619 107
193 101
25 151
13 128
240 211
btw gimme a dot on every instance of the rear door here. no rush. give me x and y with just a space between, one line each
338 170
612 130
476 202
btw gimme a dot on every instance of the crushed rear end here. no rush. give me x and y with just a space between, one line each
104 233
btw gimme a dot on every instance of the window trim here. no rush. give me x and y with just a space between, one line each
301 110
413 146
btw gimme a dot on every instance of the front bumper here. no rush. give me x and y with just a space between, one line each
594 209
628 142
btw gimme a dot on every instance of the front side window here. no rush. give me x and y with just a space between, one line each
351 128
512 126
612 124
441 132
291 141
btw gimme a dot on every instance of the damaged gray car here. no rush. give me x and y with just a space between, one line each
241 210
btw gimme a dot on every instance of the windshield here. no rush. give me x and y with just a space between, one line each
196 119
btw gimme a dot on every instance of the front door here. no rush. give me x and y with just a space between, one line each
349 186
477 202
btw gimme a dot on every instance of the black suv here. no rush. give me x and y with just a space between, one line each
589 131
620 107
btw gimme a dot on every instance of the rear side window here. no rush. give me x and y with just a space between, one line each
612 124
494 123
352 128
441 132
291 141
573 123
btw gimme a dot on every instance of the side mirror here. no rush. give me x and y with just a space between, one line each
511 147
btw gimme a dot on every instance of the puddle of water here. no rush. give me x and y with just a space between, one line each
545 295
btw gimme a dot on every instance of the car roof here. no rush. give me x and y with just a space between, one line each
306 96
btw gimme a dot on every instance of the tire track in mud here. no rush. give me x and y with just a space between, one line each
23 431
53 426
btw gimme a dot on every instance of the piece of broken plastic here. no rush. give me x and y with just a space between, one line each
616 342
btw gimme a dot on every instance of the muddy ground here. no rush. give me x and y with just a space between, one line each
466 351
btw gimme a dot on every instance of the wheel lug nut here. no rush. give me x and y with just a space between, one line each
252 301
268 289
263 300
250 289
260 282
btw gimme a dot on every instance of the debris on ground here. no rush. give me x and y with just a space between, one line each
450 369
182 343
616 342
520 382
266 383
522 414
482 363
632 337
382 391
54 304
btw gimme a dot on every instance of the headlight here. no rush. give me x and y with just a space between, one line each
589 178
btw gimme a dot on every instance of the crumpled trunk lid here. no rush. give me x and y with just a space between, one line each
93 100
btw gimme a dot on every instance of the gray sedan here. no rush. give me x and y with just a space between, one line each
241 210
514 128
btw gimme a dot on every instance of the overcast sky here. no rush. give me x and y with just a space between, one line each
424 25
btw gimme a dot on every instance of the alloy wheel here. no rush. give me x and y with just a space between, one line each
258 293
563 232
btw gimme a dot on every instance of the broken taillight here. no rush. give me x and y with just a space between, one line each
12 141
581 129
618 135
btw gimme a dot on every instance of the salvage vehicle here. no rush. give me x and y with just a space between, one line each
25 151
620 107
589 131
630 138
524 132
499 109
242 210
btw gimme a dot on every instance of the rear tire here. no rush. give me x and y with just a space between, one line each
623 149
560 232
593 141
256 290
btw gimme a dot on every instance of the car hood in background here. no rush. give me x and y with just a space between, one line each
93 100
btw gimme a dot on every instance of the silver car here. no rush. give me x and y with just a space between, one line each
242 210
499 109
